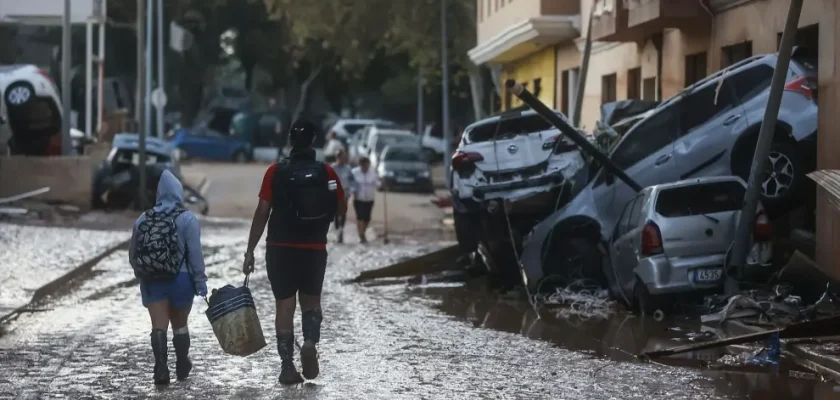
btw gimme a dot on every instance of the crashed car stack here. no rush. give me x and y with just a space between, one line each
701 132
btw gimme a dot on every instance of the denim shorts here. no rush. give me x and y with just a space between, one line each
179 291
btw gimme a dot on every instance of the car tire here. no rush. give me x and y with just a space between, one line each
575 258
465 231
240 157
645 303
19 94
781 191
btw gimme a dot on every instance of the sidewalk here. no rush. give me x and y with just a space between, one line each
35 256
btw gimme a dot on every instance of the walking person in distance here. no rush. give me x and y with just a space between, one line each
365 181
299 199
165 253
345 177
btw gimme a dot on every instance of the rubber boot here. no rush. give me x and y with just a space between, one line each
340 237
183 365
161 371
311 326
286 349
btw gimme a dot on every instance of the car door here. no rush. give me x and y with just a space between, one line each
624 243
646 154
710 120
195 142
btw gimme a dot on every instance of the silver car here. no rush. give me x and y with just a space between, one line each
710 129
675 238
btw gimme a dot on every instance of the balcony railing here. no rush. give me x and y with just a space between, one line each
635 20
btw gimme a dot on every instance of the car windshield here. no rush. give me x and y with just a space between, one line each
404 154
385 140
704 198
508 128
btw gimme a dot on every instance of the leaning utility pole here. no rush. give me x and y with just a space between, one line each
139 106
743 239
420 111
584 70
66 64
444 69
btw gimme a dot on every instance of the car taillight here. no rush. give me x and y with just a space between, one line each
46 75
763 230
463 159
805 85
651 240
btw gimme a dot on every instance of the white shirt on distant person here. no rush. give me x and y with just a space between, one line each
364 184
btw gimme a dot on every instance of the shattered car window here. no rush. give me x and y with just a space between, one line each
509 128
708 198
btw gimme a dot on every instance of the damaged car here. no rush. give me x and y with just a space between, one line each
709 129
673 240
116 180
508 173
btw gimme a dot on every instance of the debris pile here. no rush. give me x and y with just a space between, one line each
581 299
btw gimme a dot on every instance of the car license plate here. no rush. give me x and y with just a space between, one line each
405 180
708 275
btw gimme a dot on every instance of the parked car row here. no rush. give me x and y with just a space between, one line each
708 130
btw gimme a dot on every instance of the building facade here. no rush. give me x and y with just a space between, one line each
653 49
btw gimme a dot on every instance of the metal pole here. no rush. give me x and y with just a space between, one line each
141 101
100 112
89 78
160 110
444 61
385 213
420 113
584 70
147 104
141 66
570 132
66 53
743 239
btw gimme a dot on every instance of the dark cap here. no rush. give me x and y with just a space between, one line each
302 134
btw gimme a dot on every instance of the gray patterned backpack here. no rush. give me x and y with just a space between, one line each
158 255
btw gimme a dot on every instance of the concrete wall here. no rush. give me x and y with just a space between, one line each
510 12
70 179
607 59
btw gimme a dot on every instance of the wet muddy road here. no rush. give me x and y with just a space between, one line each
379 342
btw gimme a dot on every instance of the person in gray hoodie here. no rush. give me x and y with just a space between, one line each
170 301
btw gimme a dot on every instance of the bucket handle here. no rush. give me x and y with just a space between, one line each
245 284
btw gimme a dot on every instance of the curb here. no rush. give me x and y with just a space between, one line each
820 363
57 283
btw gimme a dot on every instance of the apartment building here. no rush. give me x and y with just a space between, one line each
652 49
522 38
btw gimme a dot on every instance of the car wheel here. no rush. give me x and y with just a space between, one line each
645 303
573 259
240 157
465 231
19 94
780 190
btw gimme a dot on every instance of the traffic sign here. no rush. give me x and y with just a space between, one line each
159 98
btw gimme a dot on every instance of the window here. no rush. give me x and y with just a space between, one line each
735 53
508 128
750 82
634 84
699 106
649 89
695 68
705 198
568 90
537 87
646 138
808 36
608 83
353 128
635 212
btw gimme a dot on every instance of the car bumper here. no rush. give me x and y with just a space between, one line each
668 275
413 183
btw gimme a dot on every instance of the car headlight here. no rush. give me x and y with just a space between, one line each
423 174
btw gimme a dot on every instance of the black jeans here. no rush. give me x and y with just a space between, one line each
294 269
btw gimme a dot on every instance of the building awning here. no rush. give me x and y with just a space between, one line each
526 37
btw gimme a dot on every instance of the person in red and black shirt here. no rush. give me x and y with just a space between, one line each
299 199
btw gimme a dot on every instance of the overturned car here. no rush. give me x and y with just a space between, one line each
508 173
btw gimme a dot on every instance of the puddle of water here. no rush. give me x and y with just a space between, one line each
623 335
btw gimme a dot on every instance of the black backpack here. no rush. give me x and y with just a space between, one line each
157 253
307 192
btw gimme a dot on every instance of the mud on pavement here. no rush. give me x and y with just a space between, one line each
382 342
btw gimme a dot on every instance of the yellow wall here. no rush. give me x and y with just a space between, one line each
538 65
